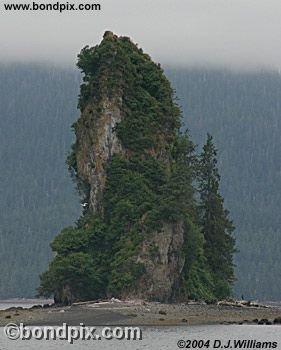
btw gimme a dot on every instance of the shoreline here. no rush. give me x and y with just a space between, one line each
141 313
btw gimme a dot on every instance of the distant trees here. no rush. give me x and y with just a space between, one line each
37 106
217 228
242 111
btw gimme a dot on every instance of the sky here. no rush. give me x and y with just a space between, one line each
243 34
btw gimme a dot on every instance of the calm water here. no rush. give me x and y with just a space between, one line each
26 303
158 338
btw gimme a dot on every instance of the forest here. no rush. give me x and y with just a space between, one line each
242 112
37 106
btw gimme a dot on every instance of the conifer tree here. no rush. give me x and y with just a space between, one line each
216 225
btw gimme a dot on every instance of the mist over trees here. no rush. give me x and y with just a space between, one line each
37 107
241 110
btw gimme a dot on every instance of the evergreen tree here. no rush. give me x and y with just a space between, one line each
217 227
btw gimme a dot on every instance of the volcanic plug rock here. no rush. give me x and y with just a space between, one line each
133 169
97 141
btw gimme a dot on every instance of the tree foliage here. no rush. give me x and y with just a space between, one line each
242 111
147 185
216 226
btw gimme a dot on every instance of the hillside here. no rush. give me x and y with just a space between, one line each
37 105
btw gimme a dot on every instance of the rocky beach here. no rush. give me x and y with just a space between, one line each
141 313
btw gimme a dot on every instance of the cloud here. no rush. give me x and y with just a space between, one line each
231 33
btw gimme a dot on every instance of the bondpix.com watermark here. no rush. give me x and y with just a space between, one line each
69 333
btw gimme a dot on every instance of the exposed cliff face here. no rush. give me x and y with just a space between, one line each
160 254
96 143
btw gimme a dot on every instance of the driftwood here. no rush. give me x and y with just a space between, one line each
111 301
243 303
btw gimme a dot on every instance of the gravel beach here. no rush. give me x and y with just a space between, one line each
140 313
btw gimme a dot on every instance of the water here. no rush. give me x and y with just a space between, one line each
161 338
25 303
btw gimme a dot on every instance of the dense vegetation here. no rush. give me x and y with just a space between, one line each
217 228
241 110
148 185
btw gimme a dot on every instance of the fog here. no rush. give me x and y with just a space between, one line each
242 34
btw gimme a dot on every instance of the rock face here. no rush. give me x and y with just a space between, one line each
163 263
127 109
96 143
139 235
